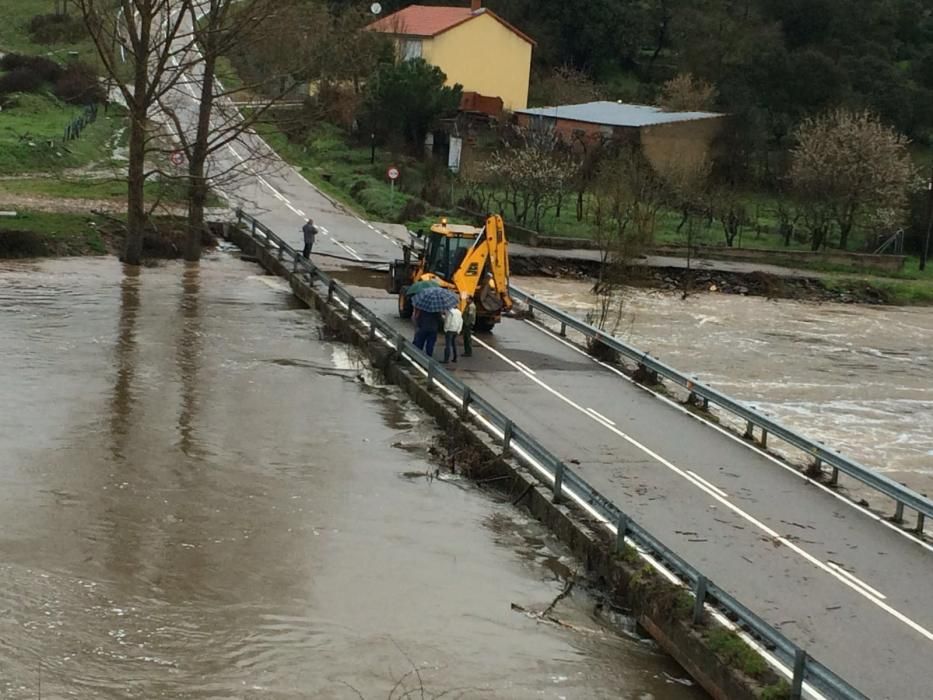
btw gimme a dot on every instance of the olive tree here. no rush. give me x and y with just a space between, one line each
850 170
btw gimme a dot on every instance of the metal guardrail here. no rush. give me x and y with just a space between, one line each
900 494
564 483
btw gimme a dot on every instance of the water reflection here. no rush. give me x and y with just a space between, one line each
125 359
189 352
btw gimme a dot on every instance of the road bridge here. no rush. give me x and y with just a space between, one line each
851 589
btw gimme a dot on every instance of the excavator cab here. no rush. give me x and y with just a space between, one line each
467 260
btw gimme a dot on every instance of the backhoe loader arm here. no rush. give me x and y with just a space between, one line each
484 272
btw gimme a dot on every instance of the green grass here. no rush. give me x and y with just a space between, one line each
34 234
171 191
735 652
345 172
31 135
776 691
14 37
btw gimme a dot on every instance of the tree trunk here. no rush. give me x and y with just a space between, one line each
197 182
580 205
135 203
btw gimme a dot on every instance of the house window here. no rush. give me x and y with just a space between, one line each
409 49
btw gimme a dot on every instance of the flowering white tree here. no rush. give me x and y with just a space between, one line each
851 170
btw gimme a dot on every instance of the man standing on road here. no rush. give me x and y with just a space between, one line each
469 319
310 233
427 325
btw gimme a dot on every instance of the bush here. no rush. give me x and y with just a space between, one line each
20 80
45 69
22 244
55 28
78 85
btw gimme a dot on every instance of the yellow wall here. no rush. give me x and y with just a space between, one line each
486 57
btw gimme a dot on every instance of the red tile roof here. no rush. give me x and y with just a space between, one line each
428 21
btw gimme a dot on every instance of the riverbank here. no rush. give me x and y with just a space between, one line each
728 277
39 234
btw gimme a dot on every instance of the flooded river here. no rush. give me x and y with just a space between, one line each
859 378
201 496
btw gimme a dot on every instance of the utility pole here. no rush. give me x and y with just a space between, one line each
925 252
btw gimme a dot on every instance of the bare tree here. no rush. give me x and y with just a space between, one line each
218 26
567 85
684 93
687 189
850 170
627 194
152 37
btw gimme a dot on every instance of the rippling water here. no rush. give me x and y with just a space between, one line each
859 378
201 497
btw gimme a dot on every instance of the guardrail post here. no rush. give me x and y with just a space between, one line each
432 370
764 437
295 263
372 330
281 252
563 329
465 405
330 290
921 519
507 438
705 404
350 305
559 482
834 479
800 669
700 601
621 532
749 430
816 467
898 513
399 346
254 228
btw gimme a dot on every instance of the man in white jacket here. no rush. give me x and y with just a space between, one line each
453 324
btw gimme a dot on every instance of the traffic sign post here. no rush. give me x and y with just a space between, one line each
393 174
177 158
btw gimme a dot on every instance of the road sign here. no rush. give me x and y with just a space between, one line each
392 173
177 158
375 8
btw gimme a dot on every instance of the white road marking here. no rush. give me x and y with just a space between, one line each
732 436
600 416
712 492
525 368
709 485
857 581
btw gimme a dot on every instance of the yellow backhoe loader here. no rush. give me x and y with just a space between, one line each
473 262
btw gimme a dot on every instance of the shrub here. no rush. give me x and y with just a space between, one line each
45 69
78 84
20 80
55 28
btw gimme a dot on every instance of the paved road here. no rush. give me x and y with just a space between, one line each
852 590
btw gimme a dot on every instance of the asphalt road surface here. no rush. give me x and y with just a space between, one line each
851 589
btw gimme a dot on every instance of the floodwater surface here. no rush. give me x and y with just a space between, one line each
859 378
201 496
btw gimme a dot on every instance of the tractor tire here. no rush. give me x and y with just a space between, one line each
405 309
484 325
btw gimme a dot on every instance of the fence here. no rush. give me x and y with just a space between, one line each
556 475
77 125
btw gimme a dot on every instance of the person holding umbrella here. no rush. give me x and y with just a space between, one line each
429 304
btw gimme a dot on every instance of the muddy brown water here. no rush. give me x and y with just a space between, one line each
203 497
859 378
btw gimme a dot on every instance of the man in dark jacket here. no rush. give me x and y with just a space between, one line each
428 325
310 233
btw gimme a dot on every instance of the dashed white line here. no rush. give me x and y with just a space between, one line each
525 368
709 485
